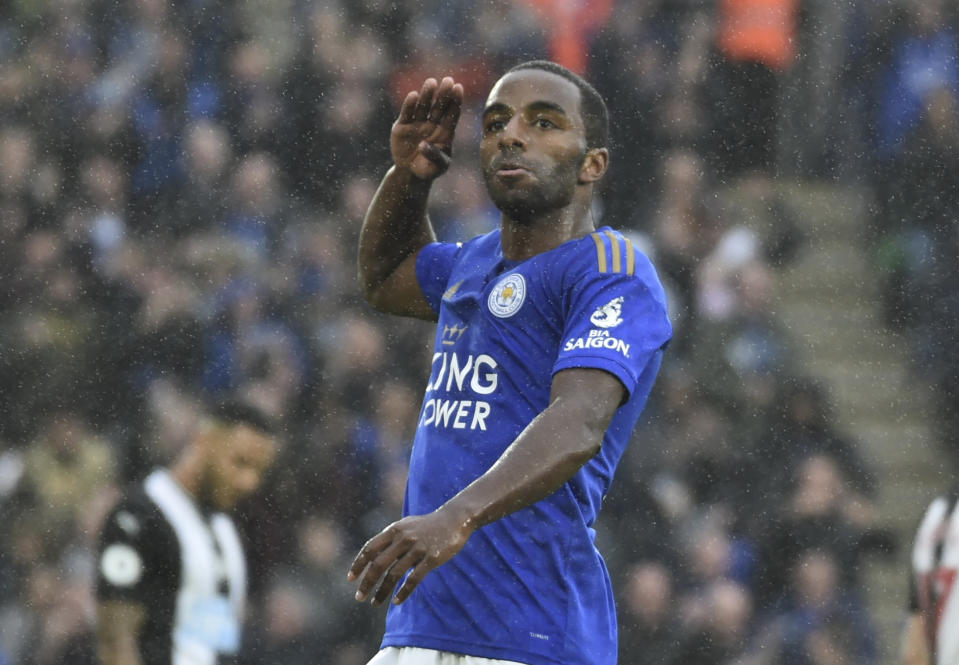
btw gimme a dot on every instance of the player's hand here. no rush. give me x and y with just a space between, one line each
421 140
418 543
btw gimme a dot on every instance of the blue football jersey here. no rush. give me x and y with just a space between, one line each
530 587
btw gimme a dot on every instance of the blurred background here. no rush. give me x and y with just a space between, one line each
181 187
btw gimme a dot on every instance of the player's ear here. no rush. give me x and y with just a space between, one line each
595 165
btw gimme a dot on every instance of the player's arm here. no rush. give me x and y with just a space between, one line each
552 448
914 647
548 452
914 650
130 579
119 623
396 225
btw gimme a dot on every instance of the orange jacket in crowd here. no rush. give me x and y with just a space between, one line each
571 24
761 31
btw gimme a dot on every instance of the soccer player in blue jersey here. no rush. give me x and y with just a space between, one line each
549 336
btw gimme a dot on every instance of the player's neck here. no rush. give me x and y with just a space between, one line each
523 239
187 471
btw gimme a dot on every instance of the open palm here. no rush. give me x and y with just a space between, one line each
422 136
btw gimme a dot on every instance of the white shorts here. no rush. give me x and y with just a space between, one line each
418 656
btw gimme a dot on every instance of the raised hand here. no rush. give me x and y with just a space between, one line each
421 140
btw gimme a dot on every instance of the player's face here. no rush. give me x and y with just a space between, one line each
533 144
240 459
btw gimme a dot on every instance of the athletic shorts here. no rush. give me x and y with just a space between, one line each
417 656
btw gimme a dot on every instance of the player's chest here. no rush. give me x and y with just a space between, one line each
511 304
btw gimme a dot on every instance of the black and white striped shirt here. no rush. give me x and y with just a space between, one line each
186 567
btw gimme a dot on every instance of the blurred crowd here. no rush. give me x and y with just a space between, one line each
181 187
916 235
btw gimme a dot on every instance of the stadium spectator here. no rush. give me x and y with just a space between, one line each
719 630
822 512
755 43
823 622
66 468
925 56
650 624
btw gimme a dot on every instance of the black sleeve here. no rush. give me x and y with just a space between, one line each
138 556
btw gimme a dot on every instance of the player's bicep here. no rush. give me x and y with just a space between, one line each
400 293
135 555
122 571
593 394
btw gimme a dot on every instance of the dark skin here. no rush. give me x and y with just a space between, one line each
540 173
914 649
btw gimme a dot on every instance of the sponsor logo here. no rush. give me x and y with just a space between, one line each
472 376
507 296
455 413
598 339
609 315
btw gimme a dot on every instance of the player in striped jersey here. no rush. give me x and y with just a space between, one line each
550 334
171 574
931 635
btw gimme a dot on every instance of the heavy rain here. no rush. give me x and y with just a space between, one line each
203 420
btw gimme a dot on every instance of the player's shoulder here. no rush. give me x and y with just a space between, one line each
475 250
610 254
944 504
138 554
483 244
608 251
135 517
134 500
939 510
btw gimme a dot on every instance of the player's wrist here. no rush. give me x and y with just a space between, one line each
462 514
408 177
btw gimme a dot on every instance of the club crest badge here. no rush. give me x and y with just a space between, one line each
609 315
507 296
121 565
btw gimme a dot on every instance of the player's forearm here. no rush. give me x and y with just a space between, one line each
118 625
119 650
914 650
541 459
396 226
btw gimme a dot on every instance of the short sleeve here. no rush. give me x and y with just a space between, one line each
434 265
137 557
615 322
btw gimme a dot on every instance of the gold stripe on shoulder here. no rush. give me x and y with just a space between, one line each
600 251
630 257
614 244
